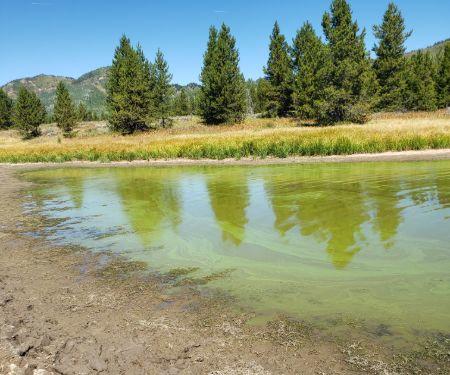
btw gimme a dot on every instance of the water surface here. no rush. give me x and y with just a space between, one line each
336 244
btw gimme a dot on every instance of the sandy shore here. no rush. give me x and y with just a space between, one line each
68 311
423 155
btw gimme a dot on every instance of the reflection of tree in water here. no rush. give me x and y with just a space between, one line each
388 213
229 197
429 187
335 215
75 189
442 183
71 181
322 205
150 198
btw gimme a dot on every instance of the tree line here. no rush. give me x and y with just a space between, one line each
327 81
336 80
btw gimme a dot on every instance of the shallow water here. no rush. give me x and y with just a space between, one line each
341 245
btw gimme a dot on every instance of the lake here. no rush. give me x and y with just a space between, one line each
339 245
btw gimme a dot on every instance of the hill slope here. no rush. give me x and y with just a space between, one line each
89 88
434 50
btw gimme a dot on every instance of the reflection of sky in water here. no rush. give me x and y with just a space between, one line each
363 240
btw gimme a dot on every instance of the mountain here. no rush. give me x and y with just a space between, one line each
434 50
90 88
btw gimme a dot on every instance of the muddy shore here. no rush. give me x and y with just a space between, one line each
67 311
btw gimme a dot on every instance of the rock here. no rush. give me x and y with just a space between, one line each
30 370
24 348
41 372
98 364
45 341
5 300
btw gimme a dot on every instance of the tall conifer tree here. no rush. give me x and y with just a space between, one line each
129 89
162 89
64 111
390 65
311 66
82 113
279 76
28 113
421 83
223 95
352 86
6 106
443 78
181 104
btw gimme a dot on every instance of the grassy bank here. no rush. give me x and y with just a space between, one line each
254 138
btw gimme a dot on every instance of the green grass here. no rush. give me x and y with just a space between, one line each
250 140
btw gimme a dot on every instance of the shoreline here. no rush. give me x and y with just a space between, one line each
398 156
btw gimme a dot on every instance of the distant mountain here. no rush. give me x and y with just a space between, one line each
90 88
434 50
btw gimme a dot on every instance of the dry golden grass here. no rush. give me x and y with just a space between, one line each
255 137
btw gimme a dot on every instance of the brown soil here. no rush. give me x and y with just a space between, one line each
67 311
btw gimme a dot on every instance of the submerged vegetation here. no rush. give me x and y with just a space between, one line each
255 138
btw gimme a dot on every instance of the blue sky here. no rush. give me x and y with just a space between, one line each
71 37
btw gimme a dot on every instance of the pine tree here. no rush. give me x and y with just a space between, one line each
6 106
64 110
162 89
82 113
443 78
390 65
421 94
352 84
311 65
209 93
28 113
278 73
181 104
223 95
129 89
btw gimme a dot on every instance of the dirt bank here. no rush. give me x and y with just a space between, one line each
67 311
423 155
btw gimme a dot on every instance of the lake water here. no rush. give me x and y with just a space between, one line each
336 244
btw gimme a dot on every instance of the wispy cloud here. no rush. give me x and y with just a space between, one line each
40 3
220 11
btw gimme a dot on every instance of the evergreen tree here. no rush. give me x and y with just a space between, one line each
181 104
421 83
311 65
352 84
82 113
28 113
278 73
129 89
390 65
223 95
6 106
64 110
162 89
443 78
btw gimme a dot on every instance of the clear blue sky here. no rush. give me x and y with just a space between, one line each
71 37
